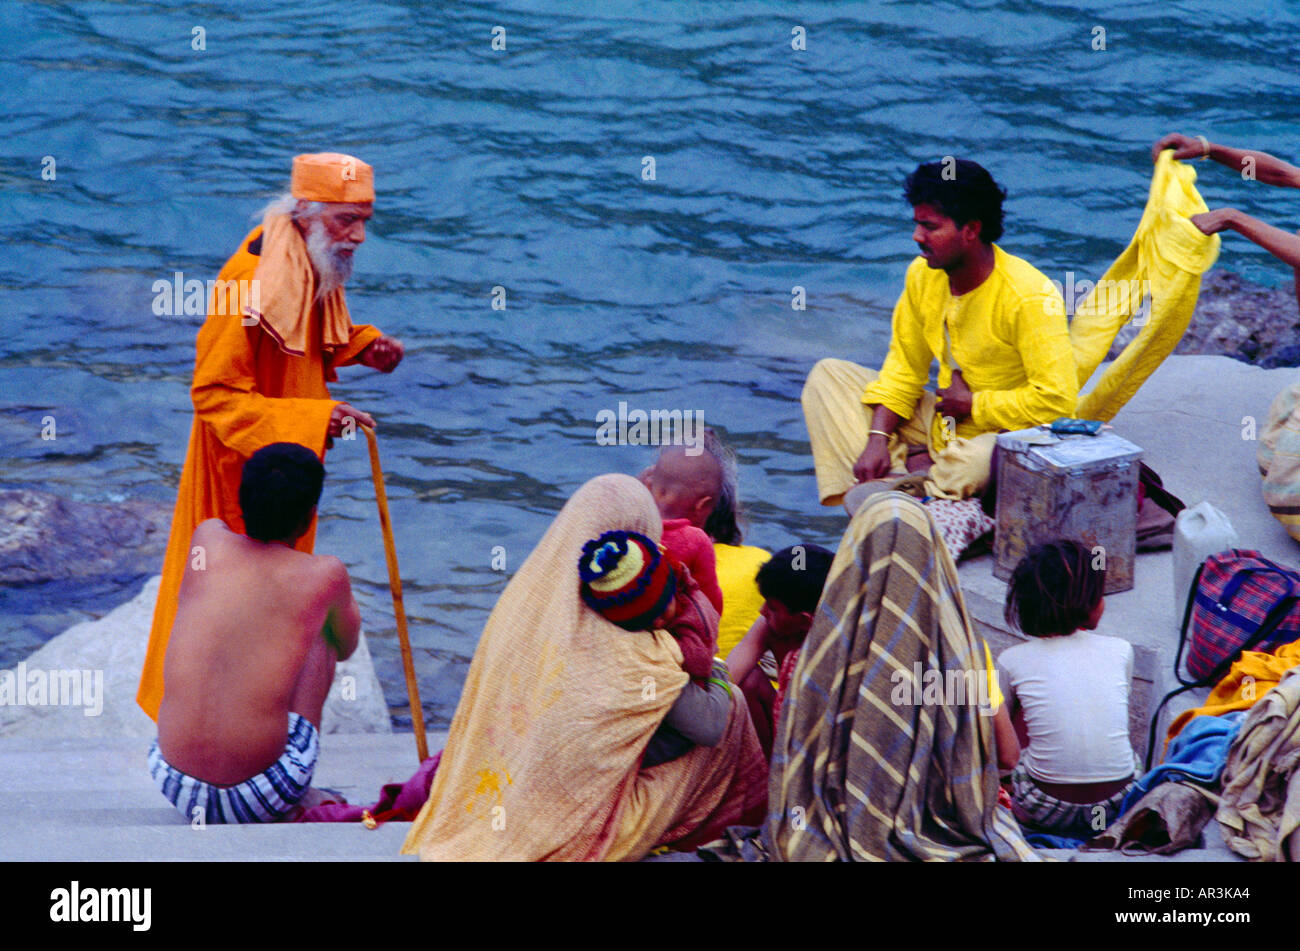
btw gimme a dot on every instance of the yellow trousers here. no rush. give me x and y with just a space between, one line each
839 424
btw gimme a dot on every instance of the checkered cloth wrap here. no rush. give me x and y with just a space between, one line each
270 796
855 775
1042 812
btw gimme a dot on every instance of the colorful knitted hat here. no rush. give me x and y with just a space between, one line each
626 578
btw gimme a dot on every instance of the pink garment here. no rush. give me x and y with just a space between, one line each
397 801
696 630
694 549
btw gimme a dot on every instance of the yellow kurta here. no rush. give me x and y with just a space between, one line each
1009 337
247 394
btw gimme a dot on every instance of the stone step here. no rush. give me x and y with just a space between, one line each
78 799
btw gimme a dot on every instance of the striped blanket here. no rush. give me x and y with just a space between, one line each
860 771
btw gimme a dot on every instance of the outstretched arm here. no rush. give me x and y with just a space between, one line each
1283 245
1263 167
744 656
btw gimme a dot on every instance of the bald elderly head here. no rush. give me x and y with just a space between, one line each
684 485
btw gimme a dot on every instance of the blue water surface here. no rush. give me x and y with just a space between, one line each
522 168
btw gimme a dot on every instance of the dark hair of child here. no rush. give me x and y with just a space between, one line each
723 523
280 485
1054 589
795 576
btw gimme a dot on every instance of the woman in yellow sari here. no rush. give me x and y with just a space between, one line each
543 760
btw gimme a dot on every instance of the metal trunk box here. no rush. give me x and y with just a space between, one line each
1078 487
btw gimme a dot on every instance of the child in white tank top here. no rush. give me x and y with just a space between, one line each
1071 687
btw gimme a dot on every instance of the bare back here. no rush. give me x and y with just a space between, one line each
248 647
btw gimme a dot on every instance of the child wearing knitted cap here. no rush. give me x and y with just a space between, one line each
626 578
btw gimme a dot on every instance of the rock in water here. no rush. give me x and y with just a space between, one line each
44 538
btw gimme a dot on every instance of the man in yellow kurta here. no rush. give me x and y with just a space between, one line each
277 329
994 322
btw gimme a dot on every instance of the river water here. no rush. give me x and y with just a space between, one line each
140 139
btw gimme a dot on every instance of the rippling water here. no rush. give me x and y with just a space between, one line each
522 169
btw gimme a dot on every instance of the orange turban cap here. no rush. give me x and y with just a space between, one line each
332 176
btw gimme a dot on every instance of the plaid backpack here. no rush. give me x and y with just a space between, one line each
1239 601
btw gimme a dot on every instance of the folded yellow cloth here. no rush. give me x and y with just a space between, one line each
1252 675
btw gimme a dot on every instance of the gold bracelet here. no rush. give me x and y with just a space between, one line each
1205 146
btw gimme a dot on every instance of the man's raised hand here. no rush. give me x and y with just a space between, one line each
1184 146
384 354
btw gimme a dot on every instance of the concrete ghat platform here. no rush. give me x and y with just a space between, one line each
74 788
84 800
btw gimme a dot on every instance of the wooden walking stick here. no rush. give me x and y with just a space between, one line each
395 584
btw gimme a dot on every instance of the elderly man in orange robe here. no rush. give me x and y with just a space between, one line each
277 330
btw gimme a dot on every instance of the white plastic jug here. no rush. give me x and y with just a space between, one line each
1199 531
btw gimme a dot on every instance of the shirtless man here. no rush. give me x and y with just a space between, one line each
259 628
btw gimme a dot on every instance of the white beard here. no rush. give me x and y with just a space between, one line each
332 268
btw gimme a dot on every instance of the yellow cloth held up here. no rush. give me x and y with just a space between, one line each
1164 262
